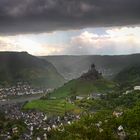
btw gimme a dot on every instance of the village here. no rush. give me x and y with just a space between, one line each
37 120
34 120
20 89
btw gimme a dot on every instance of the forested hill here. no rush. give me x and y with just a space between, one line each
21 66
129 77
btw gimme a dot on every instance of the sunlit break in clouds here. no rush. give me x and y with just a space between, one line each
70 27
124 40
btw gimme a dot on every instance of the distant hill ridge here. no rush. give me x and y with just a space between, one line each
19 66
109 65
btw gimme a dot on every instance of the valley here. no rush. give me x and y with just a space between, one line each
86 104
69 70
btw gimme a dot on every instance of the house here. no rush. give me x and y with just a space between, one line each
137 88
79 97
95 96
117 114
121 133
127 92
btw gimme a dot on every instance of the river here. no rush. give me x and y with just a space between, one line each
21 99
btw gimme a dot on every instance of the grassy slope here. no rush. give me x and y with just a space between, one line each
83 87
52 107
74 87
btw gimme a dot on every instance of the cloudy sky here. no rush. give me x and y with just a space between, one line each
64 27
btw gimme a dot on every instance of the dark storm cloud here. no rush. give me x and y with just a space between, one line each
29 16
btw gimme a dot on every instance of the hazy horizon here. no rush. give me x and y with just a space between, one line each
71 54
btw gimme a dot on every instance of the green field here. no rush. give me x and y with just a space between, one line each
83 87
52 107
